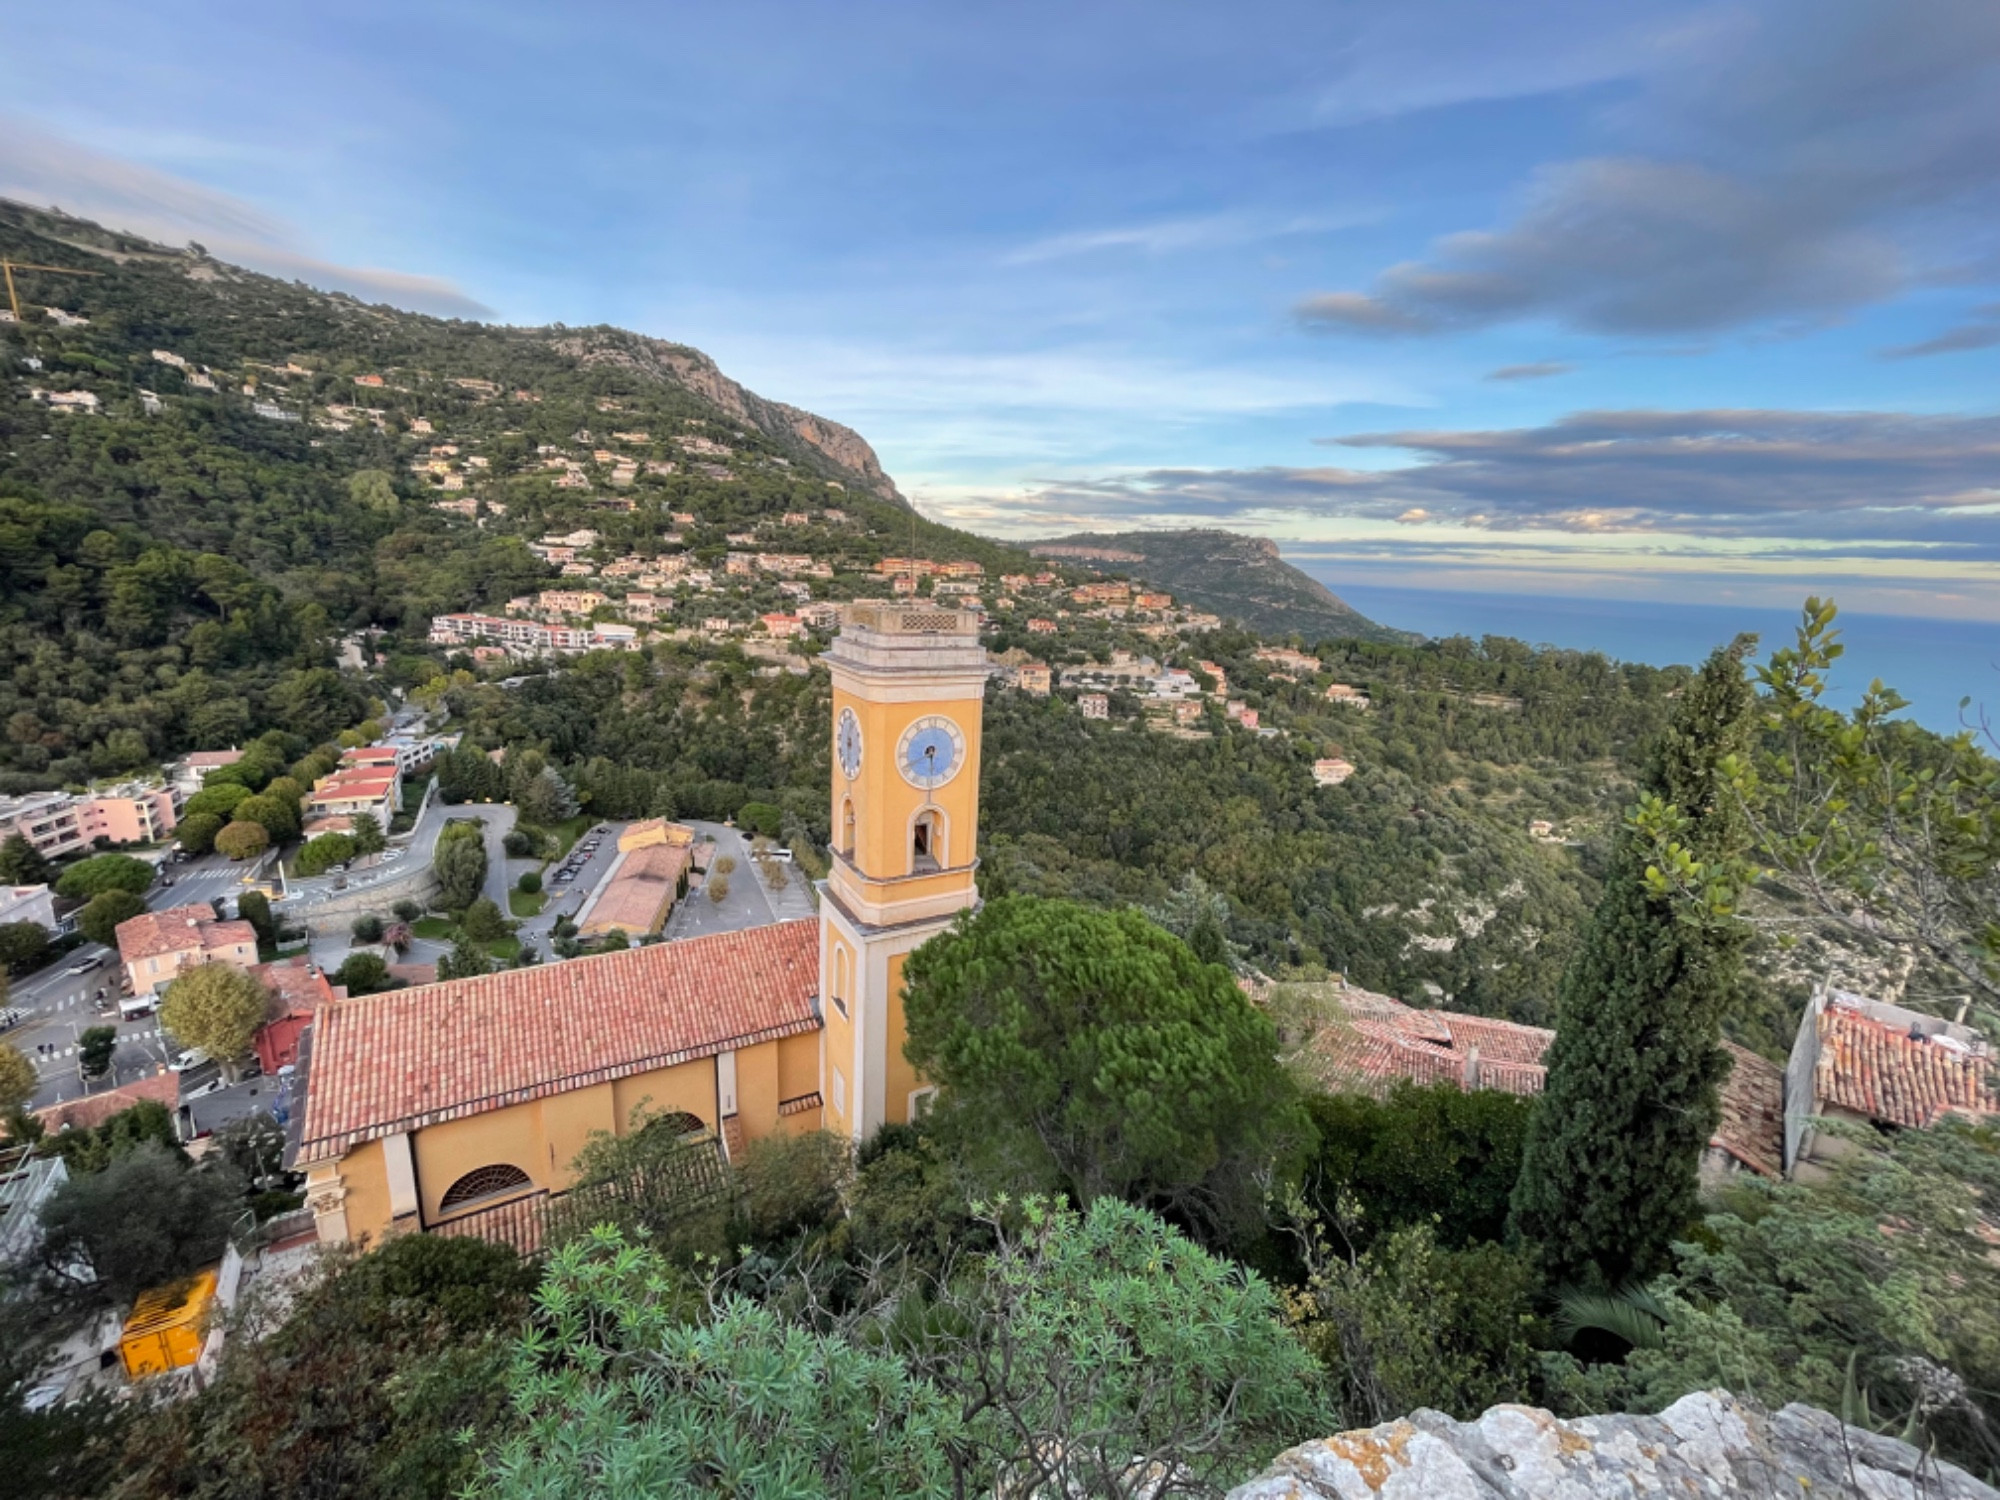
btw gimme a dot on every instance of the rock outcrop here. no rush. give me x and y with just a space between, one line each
1708 1444
677 364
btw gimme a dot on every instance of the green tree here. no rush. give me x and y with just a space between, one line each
368 835
242 840
373 490
530 883
364 974
1091 1051
1085 1353
1608 1174
277 815
1875 1294
24 947
465 775
144 1220
22 864
323 853
760 818
546 798
94 1049
367 928
18 1078
467 960
217 798
197 833
1440 1156
218 1008
254 907
483 921
99 920
106 872
92 1150
459 863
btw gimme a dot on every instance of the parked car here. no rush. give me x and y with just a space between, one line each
84 966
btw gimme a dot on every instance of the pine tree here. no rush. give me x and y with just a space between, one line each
1608 1178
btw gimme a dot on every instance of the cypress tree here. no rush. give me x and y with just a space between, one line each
1608 1176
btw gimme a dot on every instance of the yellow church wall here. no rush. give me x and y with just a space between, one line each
798 1066
688 1086
366 1179
567 1122
757 1090
502 1137
902 1079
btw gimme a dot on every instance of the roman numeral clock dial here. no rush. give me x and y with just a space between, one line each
847 744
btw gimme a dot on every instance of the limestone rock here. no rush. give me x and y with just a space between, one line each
1707 1444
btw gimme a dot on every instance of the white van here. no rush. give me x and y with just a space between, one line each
132 1007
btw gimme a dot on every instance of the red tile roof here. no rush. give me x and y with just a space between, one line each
1384 1042
93 1110
410 1058
1877 1070
297 985
177 929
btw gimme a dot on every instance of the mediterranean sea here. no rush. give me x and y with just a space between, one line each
1933 663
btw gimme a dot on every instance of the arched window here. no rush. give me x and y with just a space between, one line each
847 827
483 1182
927 850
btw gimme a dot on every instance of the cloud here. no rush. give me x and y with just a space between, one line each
1983 332
1171 236
41 168
1893 482
1787 174
1545 370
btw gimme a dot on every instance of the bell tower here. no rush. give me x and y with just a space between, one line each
908 682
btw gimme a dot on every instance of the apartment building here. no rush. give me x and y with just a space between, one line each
58 824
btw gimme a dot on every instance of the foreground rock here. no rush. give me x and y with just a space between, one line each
1706 1444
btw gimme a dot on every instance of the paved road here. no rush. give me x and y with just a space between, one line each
62 1007
750 902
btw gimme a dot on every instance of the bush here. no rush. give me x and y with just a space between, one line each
106 872
718 889
726 865
99 921
793 1185
367 929
760 818
323 853
775 874
242 841
407 910
254 907
530 884
518 843
483 921
364 974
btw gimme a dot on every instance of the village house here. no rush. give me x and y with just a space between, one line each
781 625
28 903
1033 678
740 564
1041 627
1288 660
188 773
372 789
1343 693
1218 676
156 946
1332 770
1094 705
570 602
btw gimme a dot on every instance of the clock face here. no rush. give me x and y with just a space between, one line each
847 744
931 751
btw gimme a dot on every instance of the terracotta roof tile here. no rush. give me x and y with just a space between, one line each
152 934
1877 1070
409 1058
1384 1042
93 1110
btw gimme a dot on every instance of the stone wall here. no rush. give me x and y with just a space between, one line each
1706 1444
333 916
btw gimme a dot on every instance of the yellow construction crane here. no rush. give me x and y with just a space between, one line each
9 267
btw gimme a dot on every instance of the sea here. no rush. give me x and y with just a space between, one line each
1933 663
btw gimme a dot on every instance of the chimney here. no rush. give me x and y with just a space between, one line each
1472 1070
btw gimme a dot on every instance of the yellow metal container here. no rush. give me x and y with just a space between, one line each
167 1326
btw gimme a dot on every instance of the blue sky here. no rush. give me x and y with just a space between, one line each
1637 300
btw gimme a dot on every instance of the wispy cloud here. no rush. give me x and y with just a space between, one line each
1788 173
1173 236
49 170
1545 370
1980 331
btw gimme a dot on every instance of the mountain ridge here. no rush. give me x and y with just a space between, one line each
1227 573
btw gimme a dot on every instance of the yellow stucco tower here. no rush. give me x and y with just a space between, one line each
908 682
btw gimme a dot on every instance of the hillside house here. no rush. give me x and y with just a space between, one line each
156 946
1332 770
1094 705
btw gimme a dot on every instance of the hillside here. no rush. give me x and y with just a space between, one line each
1241 578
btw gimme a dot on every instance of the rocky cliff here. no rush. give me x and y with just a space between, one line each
689 368
1707 1444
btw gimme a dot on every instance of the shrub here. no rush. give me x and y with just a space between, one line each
483 922
724 866
367 929
530 884
407 910
718 889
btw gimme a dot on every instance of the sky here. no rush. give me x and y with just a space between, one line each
1675 301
